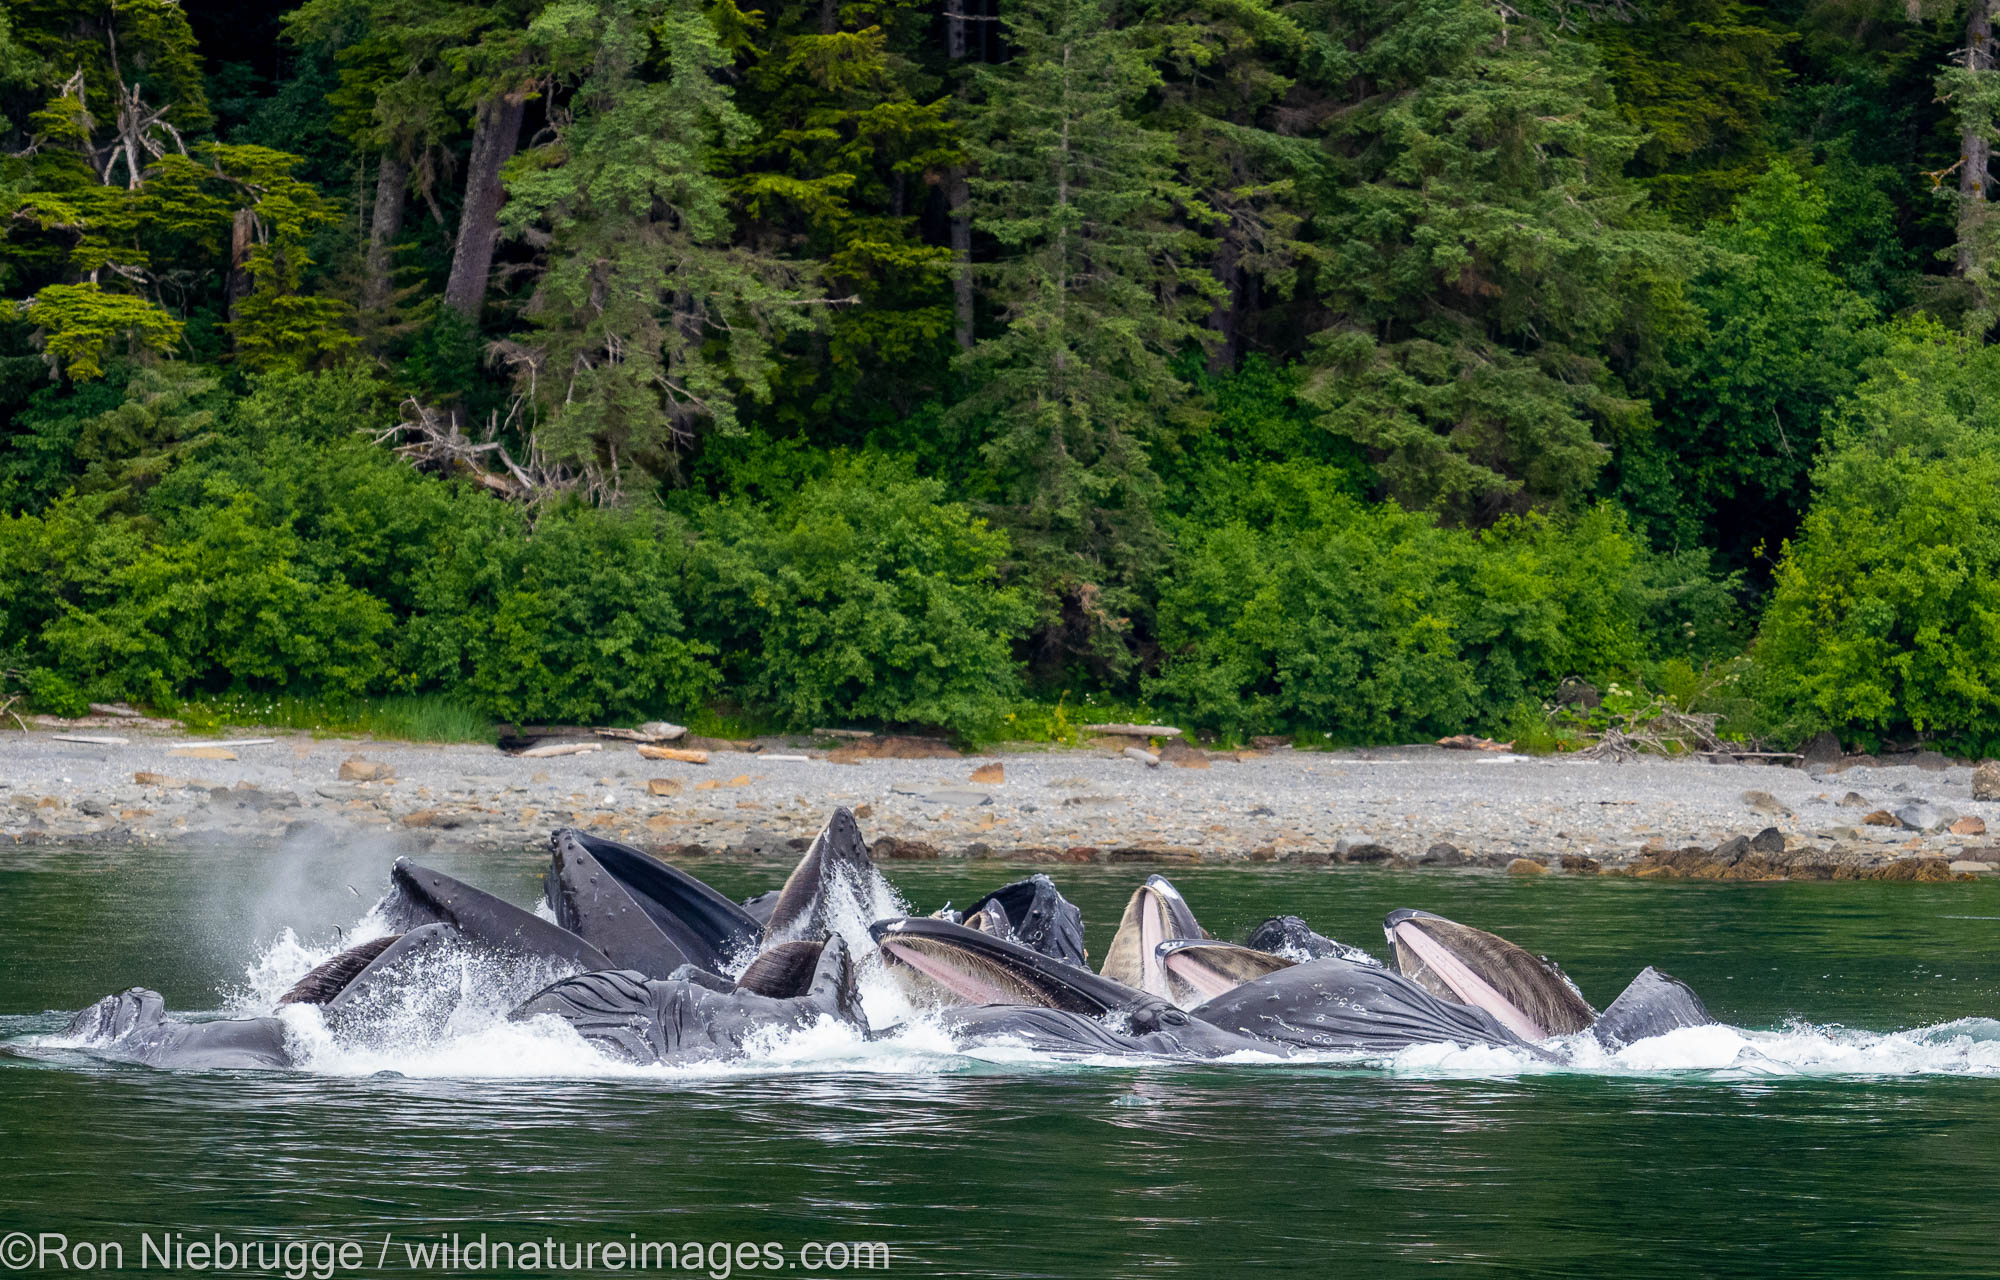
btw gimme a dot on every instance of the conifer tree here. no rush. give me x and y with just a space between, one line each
647 323
1482 251
851 132
1099 282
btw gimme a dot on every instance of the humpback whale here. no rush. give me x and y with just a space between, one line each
1200 969
695 1015
1338 1005
1327 1005
640 949
1292 937
836 855
980 968
133 1026
1038 917
1531 995
641 913
1651 1005
419 896
1156 913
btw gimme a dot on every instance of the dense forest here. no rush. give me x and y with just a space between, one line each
1361 370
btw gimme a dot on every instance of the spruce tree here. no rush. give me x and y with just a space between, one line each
647 324
1481 253
1098 280
851 133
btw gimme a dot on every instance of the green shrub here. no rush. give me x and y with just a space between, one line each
217 603
577 621
865 596
1377 623
1885 616
51 695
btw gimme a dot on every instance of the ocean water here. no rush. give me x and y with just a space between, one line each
1846 1123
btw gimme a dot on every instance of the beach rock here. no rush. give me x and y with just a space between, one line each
1271 741
1182 756
1442 855
1581 865
1362 851
663 786
1765 803
146 779
1930 761
1969 826
1769 840
1853 800
890 848
1923 870
245 796
1143 756
1142 853
1730 851
1880 818
1527 867
1822 748
759 843
1920 815
989 774
1983 853
1986 781
1965 866
357 769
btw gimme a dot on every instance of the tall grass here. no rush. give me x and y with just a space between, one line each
423 717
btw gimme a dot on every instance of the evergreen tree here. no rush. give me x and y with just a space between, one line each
1699 80
1098 281
1483 252
646 322
851 131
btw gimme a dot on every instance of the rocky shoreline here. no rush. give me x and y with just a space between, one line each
1419 806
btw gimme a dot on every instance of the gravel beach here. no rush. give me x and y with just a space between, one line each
1421 806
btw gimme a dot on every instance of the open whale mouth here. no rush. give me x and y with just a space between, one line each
1528 996
980 968
1200 969
1155 914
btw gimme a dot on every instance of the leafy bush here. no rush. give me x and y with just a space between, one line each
1378 623
1885 617
576 621
219 602
866 596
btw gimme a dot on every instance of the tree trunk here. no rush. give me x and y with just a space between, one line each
242 230
392 185
1975 148
495 134
1223 317
958 198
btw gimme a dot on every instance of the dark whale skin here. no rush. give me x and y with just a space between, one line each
133 1026
1338 1005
